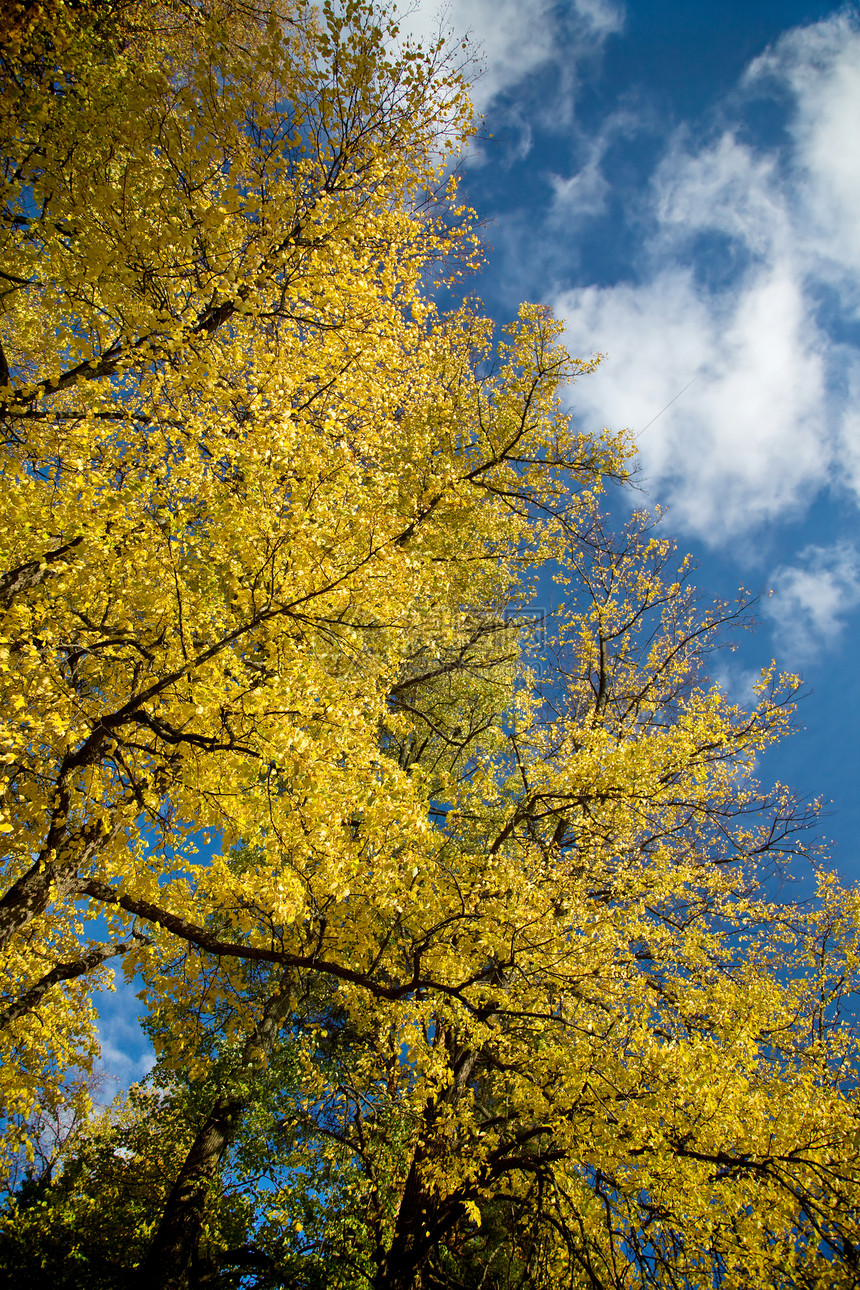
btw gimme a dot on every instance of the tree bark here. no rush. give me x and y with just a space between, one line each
422 1218
421 1224
175 1242
177 1237
31 895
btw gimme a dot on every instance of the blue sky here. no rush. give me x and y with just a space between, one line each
681 182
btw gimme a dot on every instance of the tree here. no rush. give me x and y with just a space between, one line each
248 472
482 927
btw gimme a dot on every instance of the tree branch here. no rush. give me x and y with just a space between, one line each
65 972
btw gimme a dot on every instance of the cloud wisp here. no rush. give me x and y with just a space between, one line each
812 598
512 39
125 1051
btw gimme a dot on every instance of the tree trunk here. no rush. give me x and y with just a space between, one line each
30 896
422 1222
400 1267
421 1225
422 1218
175 1242
49 879
177 1237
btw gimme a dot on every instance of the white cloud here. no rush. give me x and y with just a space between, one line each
737 682
584 194
513 38
602 17
811 599
850 432
769 417
724 187
820 66
743 439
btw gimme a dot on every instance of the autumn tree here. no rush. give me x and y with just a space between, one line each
477 929
248 472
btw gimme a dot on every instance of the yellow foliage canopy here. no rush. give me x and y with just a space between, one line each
248 470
